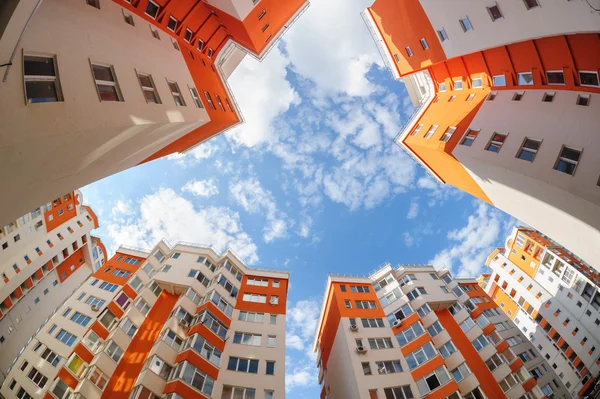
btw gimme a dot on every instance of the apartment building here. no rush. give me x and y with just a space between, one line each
496 85
94 87
554 299
46 254
177 322
411 332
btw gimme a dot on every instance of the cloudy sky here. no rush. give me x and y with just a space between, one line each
311 184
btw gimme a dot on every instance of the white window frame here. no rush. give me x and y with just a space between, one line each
524 74
409 51
176 94
158 8
424 43
151 89
42 78
448 134
431 131
463 26
176 23
442 34
591 72
556 71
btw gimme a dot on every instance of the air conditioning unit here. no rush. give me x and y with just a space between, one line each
361 349
95 308
397 323
353 327
273 301
183 323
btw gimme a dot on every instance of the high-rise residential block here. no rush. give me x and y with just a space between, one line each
414 332
93 87
45 256
507 100
174 322
554 299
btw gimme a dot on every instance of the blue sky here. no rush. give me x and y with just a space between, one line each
312 183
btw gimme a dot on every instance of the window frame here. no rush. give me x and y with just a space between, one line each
42 78
561 158
466 137
556 71
523 149
496 143
590 72
176 94
462 24
154 89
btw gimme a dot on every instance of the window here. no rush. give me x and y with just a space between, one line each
188 35
142 306
424 44
273 319
41 81
210 101
363 289
496 142
372 323
129 328
442 87
51 357
480 342
128 18
108 286
435 329
567 160
461 372
448 133
152 9
416 130
465 24
254 298
447 349
247 339
507 383
467 324
81 319
271 341
196 97
555 77
529 4
343 288
270 369
455 308
589 78
148 89
262 14
433 380
442 34
431 131
548 97
499 80
194 377
174 87
106 83
583 100
482 321
396 57
420 356
172 24
525 78
458 84
243 365
98 378
389 367
366 305
403 392
494 12
469 137
494 362
366 368
76 365
423 310
251 316
275 283
417 292
408 51
380 343
410 334
257 282
66 337
114 351
172 339
60 389
529 149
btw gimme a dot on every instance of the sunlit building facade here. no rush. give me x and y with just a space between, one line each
507 104
174 322
45 255
413 332
94 87
554 299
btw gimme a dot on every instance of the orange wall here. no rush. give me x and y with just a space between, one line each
269 291
130 366
65 265
486 379
500 297
114 264
403 23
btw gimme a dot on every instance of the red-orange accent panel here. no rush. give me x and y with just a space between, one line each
199 362
64 268
269 291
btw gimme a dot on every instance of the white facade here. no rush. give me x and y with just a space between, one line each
518 23
562 305
565 207
58 146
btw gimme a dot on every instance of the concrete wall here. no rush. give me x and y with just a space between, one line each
56 147
566 208
518 24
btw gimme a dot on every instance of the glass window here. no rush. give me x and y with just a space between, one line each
41 81
106 83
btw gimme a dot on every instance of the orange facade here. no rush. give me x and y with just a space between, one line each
63 209
211 29
269 291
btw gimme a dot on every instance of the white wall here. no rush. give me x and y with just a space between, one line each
56 147
564 207
519 24
238 9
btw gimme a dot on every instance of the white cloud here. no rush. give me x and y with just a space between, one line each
203 188
251 196
409 240
302 320
474 242
438 192
164 214
202 151
121 208
413 210
331 46
263 93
